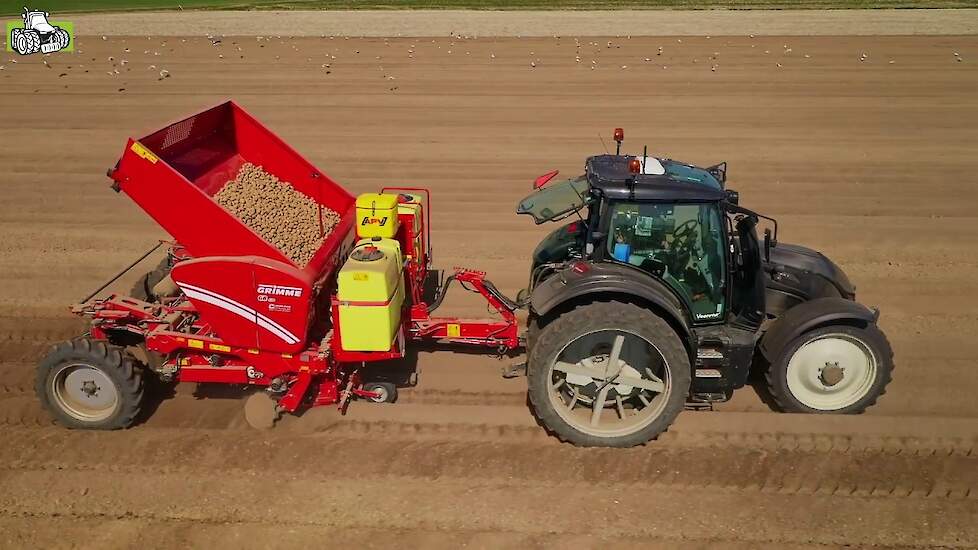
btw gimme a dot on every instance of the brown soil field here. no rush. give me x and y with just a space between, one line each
869 158
385 23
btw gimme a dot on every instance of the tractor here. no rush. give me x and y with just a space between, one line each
659 294
38 35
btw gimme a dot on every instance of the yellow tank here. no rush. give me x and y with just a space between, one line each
371 293
377 215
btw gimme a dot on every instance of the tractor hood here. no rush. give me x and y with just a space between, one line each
805 272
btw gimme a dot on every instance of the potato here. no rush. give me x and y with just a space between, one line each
276 211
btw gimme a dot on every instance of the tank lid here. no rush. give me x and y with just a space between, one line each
367 254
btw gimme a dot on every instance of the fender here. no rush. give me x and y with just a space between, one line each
602 278
812 314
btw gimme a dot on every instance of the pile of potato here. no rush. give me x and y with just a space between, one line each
281 215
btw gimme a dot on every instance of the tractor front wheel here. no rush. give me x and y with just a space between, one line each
62 38
90 384
32 40
836 369
19 42
608 374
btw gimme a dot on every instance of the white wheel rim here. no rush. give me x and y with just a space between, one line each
831 372
381 392
635 376
84 392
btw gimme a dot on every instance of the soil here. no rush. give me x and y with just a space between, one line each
485 23
861 147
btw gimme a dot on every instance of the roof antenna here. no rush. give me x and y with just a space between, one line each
603 144
645 157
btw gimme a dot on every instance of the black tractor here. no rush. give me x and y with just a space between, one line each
659 294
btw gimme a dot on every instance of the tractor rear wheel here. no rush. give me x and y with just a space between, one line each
90 384
608 374
836 369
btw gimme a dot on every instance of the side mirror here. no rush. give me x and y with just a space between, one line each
733 197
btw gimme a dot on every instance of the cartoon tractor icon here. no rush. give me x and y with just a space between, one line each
38 35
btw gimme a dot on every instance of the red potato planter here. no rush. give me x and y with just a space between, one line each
233 309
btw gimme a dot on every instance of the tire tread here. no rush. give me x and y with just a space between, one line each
612 314
118 366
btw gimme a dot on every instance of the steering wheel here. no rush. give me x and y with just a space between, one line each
682 235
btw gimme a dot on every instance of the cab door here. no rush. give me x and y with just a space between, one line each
683 244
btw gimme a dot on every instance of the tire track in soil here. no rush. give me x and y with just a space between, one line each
571 506
863 472
509 424
51 531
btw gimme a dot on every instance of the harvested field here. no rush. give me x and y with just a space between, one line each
294 223
862 147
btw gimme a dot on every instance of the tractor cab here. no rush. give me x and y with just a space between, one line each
671 220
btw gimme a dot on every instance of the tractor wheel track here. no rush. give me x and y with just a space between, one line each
217 415
194 477
140 531
864 473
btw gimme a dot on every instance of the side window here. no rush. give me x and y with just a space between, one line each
680 243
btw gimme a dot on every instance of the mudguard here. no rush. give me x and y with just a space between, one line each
809 315
600 278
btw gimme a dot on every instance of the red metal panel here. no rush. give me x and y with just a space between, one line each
249 301
173 173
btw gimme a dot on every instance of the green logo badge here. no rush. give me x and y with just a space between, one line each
36 33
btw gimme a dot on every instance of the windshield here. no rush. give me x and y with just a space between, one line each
686 173
555 201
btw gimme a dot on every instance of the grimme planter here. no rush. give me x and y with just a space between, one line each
233 309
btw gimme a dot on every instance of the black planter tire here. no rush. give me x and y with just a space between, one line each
89 384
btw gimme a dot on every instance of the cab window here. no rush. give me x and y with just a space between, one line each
680 243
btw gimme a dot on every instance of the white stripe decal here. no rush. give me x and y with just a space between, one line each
240 310
261 318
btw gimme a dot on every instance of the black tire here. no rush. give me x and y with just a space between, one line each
594 317
95 355
33 41
533 329
20 43
142 289
15 43
62 38
871 337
